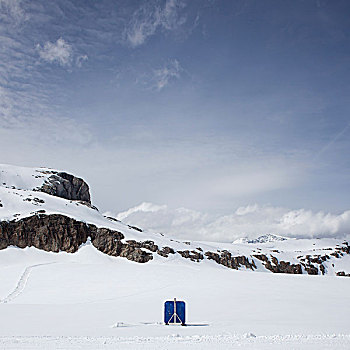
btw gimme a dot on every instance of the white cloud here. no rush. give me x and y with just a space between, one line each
160 77
246 210
144 208
80 59
250 221
162 219
170 17
60 52
164 75
148 18
12 10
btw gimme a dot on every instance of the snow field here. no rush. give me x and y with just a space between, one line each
93 301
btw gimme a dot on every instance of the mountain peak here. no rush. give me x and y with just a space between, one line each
261 239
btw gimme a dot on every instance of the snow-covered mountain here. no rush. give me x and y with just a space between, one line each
261 239
51 210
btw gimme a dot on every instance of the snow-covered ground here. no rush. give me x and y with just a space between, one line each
92 301
89 300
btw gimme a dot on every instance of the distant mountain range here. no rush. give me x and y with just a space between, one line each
262 239
52 210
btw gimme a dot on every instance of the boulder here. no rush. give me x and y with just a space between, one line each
67 186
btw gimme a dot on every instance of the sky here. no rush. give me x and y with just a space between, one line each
204 107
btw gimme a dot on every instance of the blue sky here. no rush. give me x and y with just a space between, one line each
209 105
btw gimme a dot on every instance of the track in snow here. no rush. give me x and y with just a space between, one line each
21 284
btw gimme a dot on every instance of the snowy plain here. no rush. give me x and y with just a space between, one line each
92 301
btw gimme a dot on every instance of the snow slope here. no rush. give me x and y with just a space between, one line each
20 198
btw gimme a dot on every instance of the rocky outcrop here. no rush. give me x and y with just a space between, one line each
48 232
60 233
311 270
283 267
313 265
135 228
107 241
150 245
261 257
225 258
165 251
192 255
61 184
343 274
135 254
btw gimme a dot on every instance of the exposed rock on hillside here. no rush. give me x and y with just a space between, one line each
67 186
60 233
47 232
192 255
165 251
233 262
283 267
29 217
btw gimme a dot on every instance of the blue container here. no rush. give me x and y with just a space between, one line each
174 312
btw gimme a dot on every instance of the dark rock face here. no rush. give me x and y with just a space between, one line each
60 233
48 232
345 248
67 186
311 270
192 255
107 241
276 266
233 262
135 228
313 264
283 267
149 245
213 256
165 251
342 273
135 254
261 257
